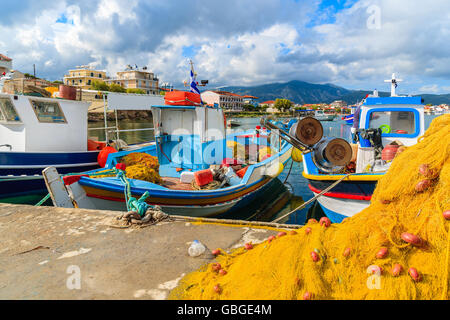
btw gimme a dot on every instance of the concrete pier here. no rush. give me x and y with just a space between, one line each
55 253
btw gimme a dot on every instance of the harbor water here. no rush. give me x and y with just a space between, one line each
282 195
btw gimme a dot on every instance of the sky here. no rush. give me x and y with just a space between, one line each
356 44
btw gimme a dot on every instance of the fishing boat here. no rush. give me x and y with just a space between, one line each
385 123
233 123
189 139
321 116
349 117
39 132
203 171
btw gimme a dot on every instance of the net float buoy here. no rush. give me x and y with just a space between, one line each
446 214
325 222
423 185
216 252
426 171
216 267
315 256
248 246
308 230
217 289
292 232
281 234
411 238
222 272
307 296
414 274
347 252
271 238
382 253
397 269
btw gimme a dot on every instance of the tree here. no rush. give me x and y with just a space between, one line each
117 88
249 107
99 85
136 91
283 104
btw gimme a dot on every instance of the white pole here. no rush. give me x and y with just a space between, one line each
105 116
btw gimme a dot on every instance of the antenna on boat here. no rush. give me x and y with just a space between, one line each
394 84
202 83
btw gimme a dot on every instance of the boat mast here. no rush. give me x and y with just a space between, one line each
394 84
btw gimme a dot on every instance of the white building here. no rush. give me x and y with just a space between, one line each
5 64
226 100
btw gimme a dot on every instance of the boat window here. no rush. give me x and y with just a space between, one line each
7 111
393 122
48 112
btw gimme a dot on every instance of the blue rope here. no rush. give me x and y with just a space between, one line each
133 204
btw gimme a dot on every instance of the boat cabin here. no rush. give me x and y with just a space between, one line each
399 118
35 124
188 137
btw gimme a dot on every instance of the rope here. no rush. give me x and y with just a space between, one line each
312 199
133 204
210 186
43 200
289 173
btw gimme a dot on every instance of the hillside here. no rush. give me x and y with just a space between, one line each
304 92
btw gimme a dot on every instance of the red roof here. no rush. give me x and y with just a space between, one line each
225 93
250 97
5 58
268 102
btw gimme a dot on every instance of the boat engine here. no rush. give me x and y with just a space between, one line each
330 155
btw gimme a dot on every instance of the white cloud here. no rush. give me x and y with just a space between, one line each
238 42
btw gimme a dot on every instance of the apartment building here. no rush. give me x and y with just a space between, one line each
226 100
84 76
137 79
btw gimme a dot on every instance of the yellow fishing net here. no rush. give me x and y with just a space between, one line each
346 253
142 166
140 158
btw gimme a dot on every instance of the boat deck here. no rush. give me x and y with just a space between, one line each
175 184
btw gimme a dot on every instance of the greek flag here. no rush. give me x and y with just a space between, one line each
194 88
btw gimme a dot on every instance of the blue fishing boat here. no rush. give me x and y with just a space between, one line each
191 147
190 139
349 117
385 123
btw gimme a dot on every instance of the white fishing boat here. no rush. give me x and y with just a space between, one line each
321 116
382 121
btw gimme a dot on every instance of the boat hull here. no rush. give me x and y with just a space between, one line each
325 117
337 209
348 119
349 197
200 203
21 172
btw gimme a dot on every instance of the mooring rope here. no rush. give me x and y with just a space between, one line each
313 199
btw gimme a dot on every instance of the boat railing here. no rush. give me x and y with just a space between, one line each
117 131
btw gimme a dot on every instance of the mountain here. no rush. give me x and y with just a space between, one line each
304 92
